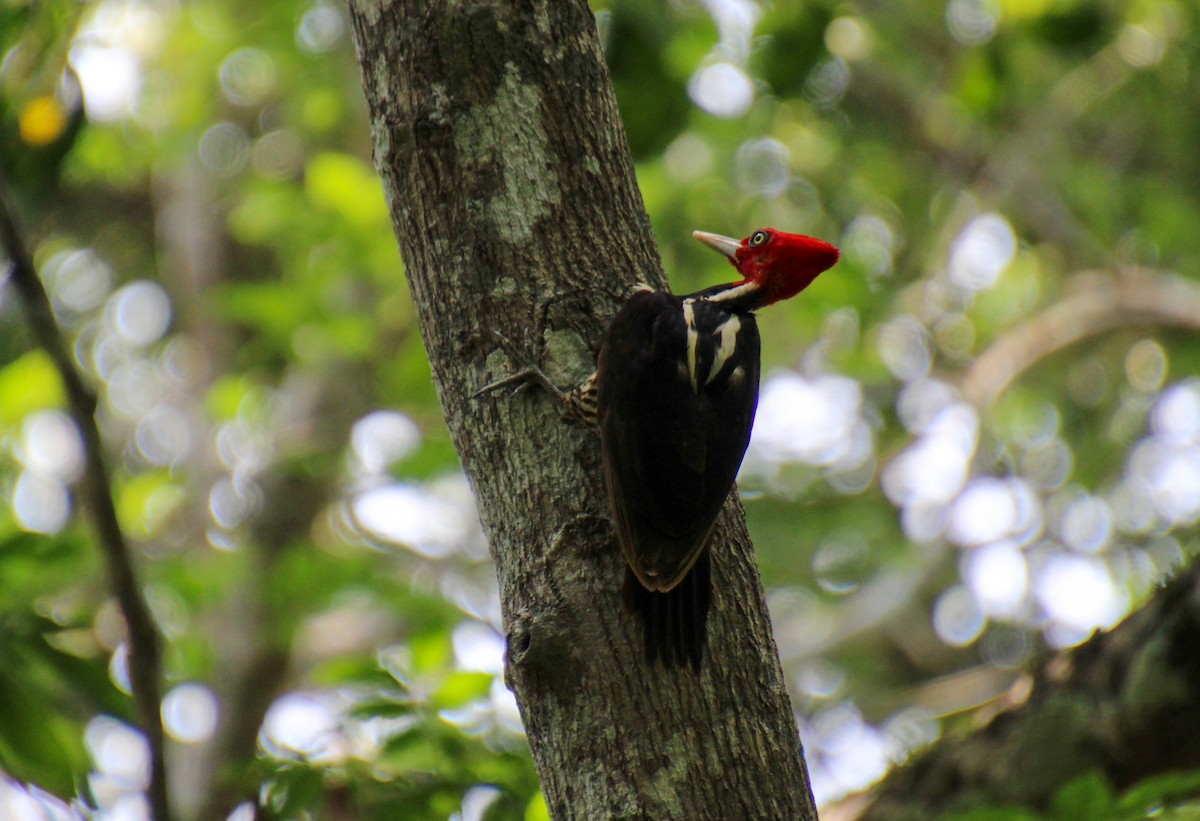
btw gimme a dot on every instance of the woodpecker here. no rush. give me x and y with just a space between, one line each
673 397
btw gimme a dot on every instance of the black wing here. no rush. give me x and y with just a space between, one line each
678 386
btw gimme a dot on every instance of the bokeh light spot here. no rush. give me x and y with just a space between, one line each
78 280
1085 523
869 241
304 723
828 82
224 149
50 445
40 503
985 512
413 516
1140 47
972 22
998 576
841 563
1176 414
846 752
247 76
278 154
111 79
320 28
1146 365
141 312
804 420
957 617
763 167
164 435
981 252
848 38
1078 592
477 646
903 346
382 438
688 158
722 89
119 751
189 713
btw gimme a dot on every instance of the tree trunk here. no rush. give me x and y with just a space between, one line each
514 201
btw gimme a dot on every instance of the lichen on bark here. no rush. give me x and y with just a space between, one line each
508 132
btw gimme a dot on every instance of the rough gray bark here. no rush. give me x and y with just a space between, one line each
516 208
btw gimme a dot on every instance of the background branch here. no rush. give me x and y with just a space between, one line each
144 657
1098 303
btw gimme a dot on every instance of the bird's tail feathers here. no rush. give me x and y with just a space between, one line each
675 623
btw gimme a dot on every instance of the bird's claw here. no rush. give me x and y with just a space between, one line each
527 375
523 379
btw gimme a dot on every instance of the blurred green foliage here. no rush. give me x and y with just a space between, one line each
221 152
1171 797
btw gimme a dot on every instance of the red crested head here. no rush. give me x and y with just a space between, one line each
774 264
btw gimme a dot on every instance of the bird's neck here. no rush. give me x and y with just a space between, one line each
739 297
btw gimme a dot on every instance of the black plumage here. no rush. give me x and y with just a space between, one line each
677 390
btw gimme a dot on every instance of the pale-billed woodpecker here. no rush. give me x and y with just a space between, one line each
673 396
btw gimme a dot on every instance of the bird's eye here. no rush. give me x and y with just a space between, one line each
759 238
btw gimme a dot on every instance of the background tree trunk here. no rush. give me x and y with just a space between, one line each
514 200
1122 708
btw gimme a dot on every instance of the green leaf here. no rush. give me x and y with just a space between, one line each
295 788
30 383
430 651
33 565
383 708
992 814
145 501
233 395
38 743
262 214
267 308
346 185
538 809
462 688
1088 796
1162 789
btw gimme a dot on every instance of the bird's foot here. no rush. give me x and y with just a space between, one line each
577 405
527 375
